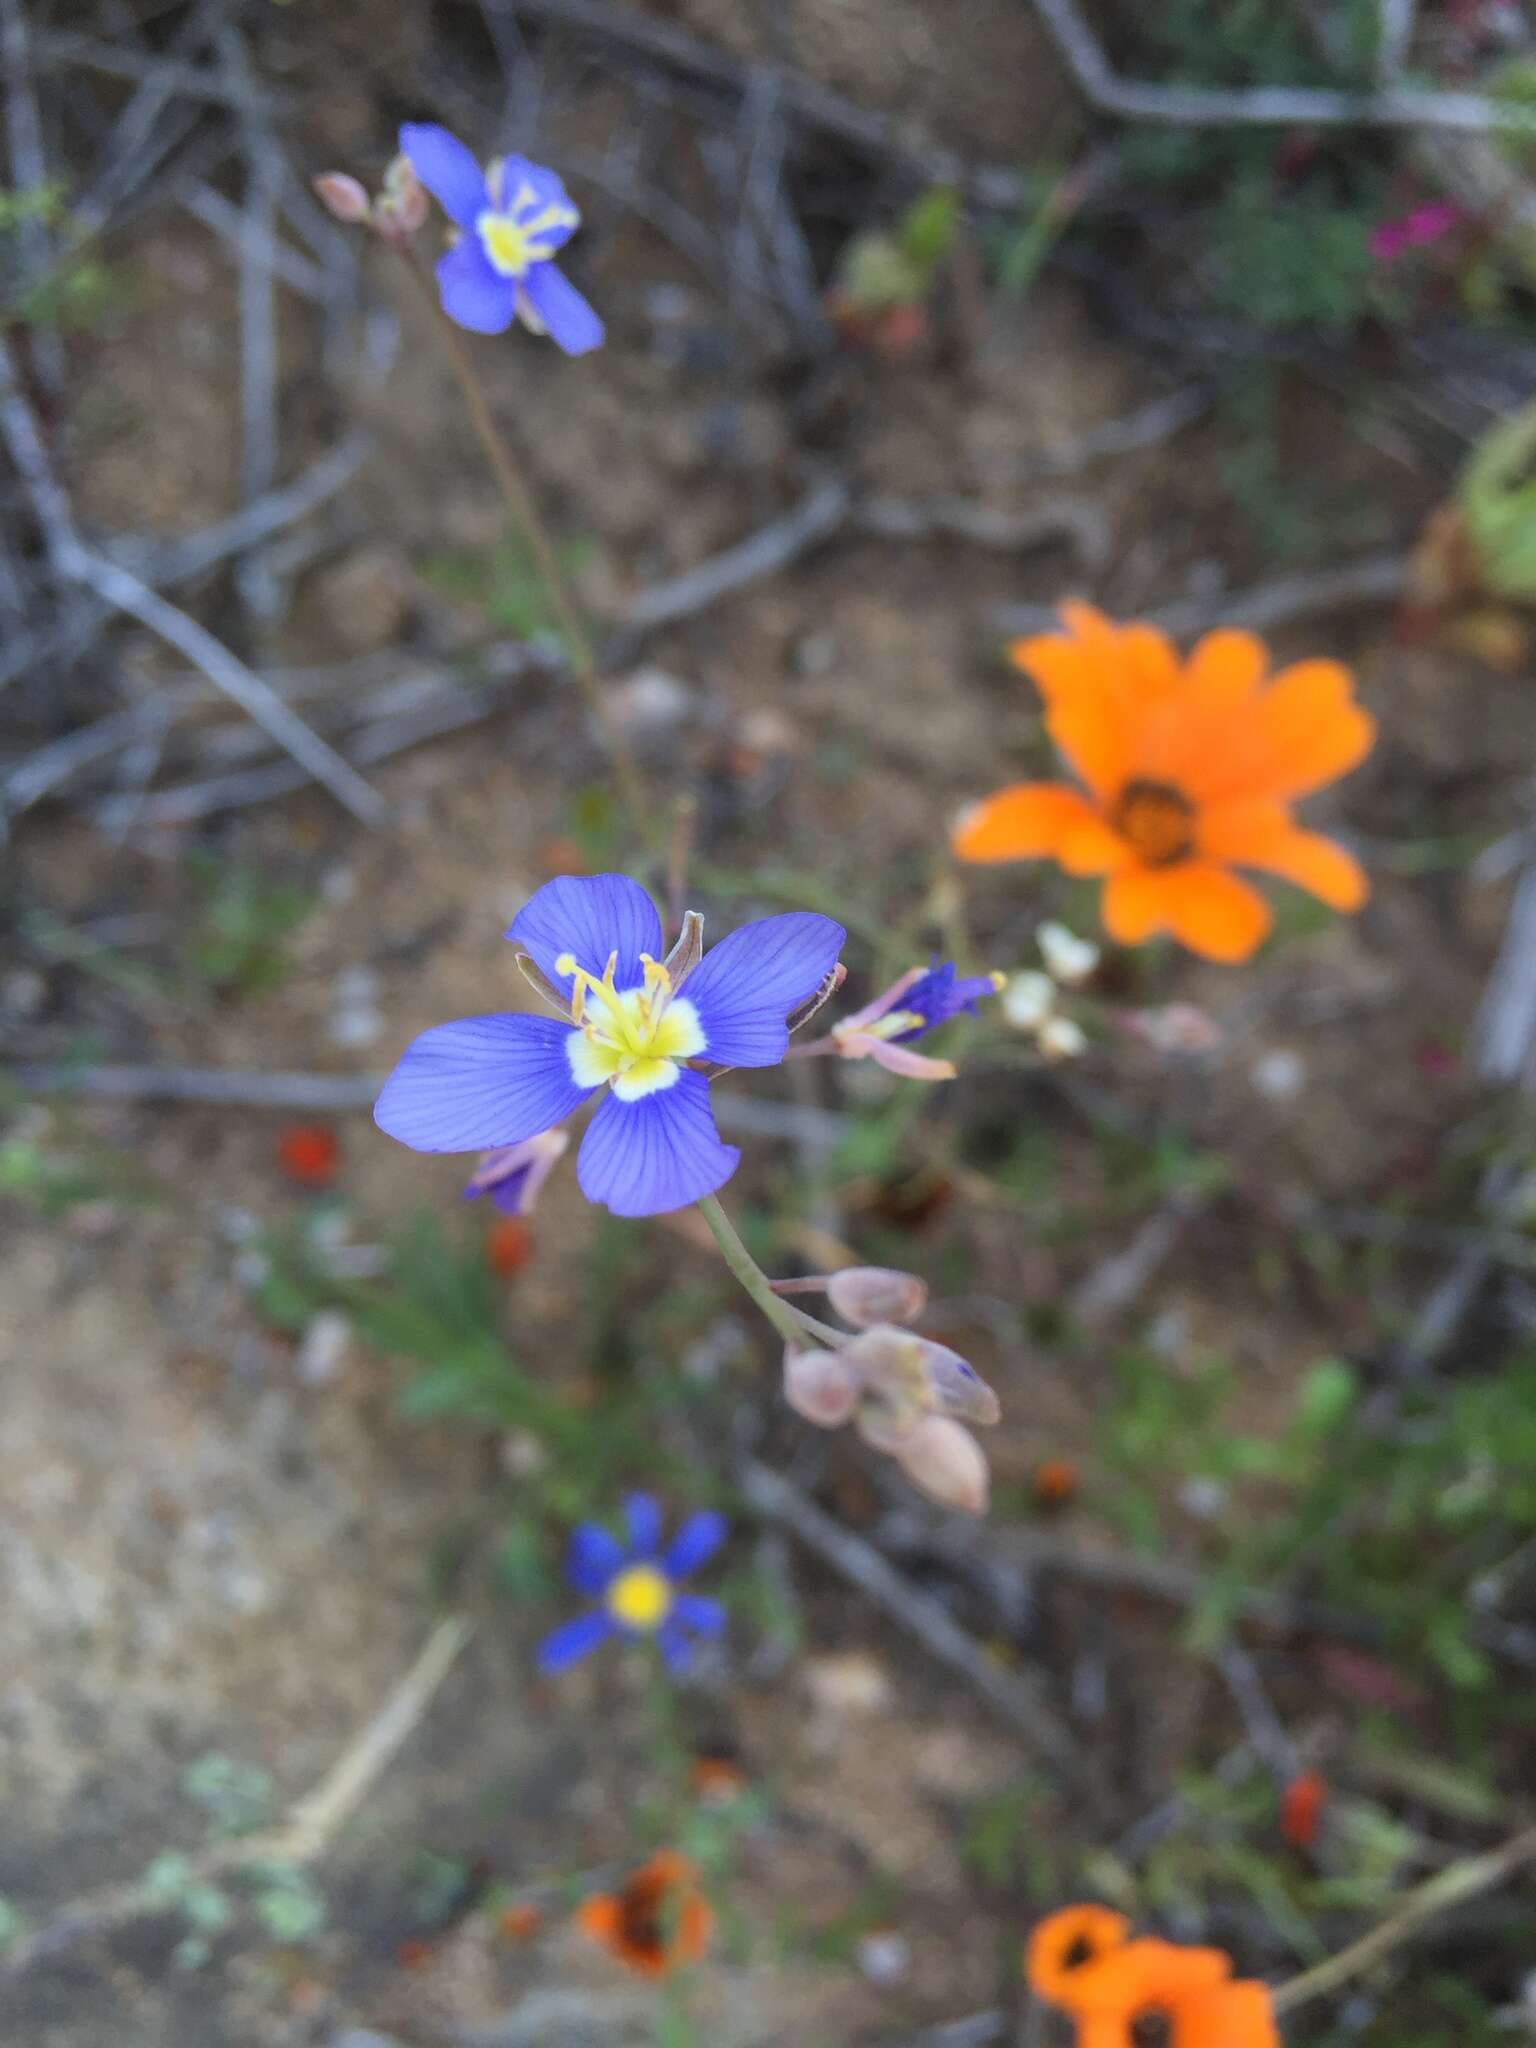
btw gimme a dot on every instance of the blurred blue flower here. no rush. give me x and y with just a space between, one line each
513 217
514 1175
637 1586
937 996
623 1029
918 1002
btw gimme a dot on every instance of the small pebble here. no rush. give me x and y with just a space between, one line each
323 1347
1280 1076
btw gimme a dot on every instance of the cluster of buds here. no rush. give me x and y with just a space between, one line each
1031 999
906 1395
399 210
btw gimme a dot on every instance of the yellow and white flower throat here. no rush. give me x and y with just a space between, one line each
637 1038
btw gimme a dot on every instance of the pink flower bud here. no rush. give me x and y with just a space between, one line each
342 197
403 204
910 1375
820 1387
864 1295
947 1463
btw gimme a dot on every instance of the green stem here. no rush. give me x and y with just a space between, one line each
527 518
791 1324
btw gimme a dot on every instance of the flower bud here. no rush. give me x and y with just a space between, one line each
906 1375
1028 999
819 1386
1176 1028
865 1295
947 1463
1061 1039
342 197
1068 958
403 203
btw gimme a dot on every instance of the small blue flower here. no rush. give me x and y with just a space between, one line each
942 993
512 218
629 1026
514 1175
637 1586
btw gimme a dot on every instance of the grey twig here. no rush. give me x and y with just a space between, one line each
1119 1280
163 77
215 211
126 593
1505 1033
1374 579
911 1609
1188 106
772 548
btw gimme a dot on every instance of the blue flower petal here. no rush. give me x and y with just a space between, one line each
561 311
473 294
595 1556
447 169
745 987
662 1152
644 1518
672 1641
480 1083
695 1543
572 1641
526 189
704 1617
939 996
589 916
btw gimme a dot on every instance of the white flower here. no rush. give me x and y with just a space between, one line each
1061 1039
1069 958
1028 999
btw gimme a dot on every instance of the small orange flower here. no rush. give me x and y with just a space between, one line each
508 1246
520 1921
1301 1808
307 1153
1154 1994
658 1922
1188 771
1055 1482
716 1777
1066 1944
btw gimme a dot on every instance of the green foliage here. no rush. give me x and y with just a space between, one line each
11 1923
48 1182
879 271
505 584
1497 498
236 1796
241 922
1291 259
79 291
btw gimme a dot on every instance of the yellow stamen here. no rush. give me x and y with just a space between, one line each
640 1597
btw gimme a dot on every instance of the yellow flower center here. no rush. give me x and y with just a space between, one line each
894 1023
1157 820
640 1597
515 238
634 1037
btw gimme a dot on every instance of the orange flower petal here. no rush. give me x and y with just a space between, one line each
1225 668
1066 1943
1025 822
1236 2016
1136 904
1148 1973
1150 659
1304 730
1262 835
1215 913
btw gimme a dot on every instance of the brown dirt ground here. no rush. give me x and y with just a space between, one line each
203 1552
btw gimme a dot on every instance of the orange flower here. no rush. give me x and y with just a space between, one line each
520 1921
508 1246
307 1153
1066 1944
658 1921
1055 1482
1188 772
1154 1994
1301 1808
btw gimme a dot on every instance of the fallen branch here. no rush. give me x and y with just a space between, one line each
917 1612
1447 1888
1374 579
1190 106
312 1823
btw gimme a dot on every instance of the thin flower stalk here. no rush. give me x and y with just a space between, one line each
524 510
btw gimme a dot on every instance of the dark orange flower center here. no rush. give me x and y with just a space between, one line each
641 1914
1152 2028
1157 821
1078 1952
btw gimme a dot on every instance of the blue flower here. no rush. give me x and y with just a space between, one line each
514 1175
637 1586
512 219
940 994
629 1025
919 1001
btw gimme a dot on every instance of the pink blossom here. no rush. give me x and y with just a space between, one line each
1415 230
